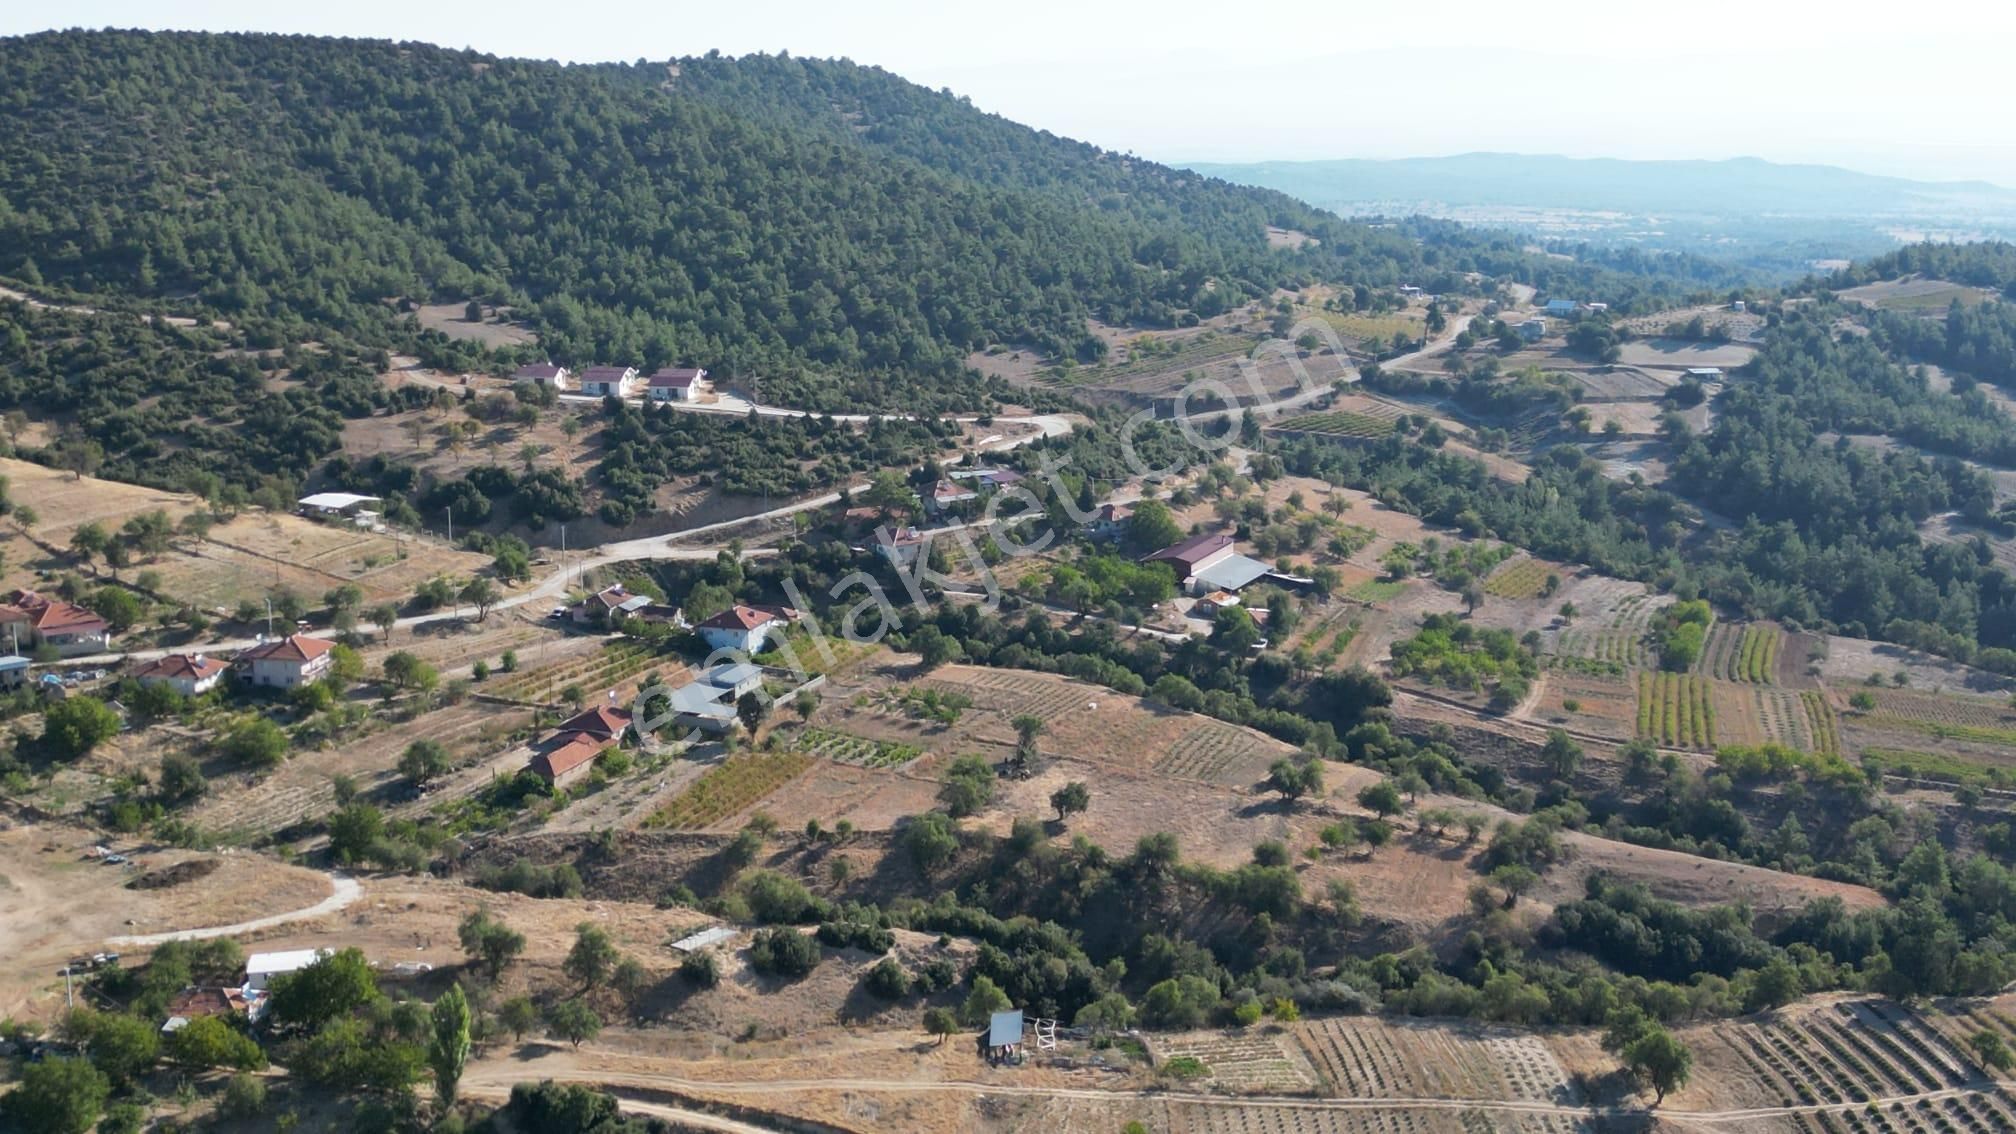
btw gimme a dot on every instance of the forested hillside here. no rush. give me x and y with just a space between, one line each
846 235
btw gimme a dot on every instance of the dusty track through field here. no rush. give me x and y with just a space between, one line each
346 891
495 1077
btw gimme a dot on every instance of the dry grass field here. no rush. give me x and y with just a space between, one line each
242 560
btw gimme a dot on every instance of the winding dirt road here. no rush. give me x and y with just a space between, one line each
343 891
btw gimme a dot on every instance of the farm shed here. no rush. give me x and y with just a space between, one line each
711 936
261 968
1004 1035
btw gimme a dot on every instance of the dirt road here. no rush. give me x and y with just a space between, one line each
495 1076
344 891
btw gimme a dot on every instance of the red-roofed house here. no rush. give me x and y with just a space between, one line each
188 674
1110 521
947 493
678 384
570 759
63 626
902 546
294 660
740 627
543 374
604 721
609 381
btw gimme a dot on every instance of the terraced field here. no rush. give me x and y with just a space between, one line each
1675 709
1857 1051
736 783
1381 1059
1750 714
842 748
1013 693
1242 1061
1945 716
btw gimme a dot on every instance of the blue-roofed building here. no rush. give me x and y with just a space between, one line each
1004 1034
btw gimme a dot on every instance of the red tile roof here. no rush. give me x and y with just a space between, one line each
575 749
195 667
602 720
739 617
51 616
292 648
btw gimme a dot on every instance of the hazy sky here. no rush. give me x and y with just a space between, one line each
1917 90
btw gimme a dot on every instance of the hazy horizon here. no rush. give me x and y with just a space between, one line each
1186 82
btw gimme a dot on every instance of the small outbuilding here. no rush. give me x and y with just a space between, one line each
261 968
1004 1036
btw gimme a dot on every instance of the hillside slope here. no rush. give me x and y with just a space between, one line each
846 235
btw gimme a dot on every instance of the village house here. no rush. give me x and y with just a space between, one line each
63 626
188 674
902 546
993 478
604 605
1110 521
195 1003
740 627
571 757
542 374
570 753
288 662
1532 330
949 493
13 671
609 381
678 384
1562 308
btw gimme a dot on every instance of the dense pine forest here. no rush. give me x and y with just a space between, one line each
846 235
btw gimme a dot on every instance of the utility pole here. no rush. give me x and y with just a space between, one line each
451 525
269 618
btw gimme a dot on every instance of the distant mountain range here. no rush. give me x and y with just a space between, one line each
1744 207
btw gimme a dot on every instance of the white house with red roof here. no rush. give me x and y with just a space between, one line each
678 384
188 674
287 662
61 625
609 381
543 374
740 627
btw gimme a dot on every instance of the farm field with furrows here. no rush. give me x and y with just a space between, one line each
1248 1118
1365 1058
1749 715
842 748
1218 753
1603 705
1520 577
1250 1062
1953 716
1746 652
1611 625
1198 350
594 673
1676 709
1854 1052
1342 424
738 782
303 787
1821 722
